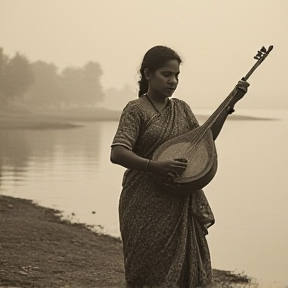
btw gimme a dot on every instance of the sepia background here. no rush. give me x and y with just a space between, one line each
81 58
216 39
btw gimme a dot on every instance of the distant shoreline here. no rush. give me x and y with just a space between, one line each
74 118
237 117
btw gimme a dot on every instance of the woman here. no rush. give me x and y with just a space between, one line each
163 236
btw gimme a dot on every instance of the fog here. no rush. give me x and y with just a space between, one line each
216 39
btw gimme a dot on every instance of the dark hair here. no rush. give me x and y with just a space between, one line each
155 58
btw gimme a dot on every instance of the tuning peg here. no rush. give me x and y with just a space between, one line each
263 50
259 54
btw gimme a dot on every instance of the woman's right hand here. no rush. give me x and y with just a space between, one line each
169 169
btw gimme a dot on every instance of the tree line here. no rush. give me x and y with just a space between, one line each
39 84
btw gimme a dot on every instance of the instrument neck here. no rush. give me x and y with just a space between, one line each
261 56
211 120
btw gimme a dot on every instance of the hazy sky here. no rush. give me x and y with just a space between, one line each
216 39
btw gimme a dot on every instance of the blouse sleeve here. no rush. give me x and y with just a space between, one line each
190 116
129 126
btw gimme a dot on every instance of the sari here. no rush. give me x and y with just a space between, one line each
164 243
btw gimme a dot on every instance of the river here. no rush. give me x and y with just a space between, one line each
69 170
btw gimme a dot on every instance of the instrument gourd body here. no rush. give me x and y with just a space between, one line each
201 166
198 147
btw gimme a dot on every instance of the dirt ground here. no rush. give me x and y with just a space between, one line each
38 249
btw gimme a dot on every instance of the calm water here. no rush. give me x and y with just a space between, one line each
69 170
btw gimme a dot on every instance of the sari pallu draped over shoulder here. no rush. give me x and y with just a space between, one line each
164 242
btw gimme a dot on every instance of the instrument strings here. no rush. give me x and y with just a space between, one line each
201 131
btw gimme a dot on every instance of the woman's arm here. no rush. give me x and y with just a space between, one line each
128 159
241 90
218 124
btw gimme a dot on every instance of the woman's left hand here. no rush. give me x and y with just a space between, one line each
240 90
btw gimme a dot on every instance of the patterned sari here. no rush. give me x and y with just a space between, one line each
163 236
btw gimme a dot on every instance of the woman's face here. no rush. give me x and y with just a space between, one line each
163 82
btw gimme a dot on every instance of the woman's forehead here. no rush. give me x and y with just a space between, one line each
171 65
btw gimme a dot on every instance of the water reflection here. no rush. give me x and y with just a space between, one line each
21 149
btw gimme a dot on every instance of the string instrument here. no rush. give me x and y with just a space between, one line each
198 147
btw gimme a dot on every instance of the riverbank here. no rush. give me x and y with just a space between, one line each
53 119
73 118
38 249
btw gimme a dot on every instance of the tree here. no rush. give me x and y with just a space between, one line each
45 91
72 85
42 85
93 90
17 76
81 86
3 68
